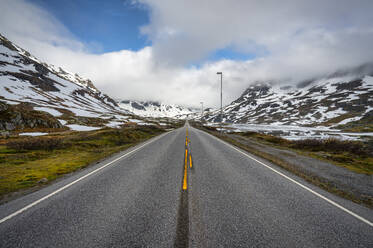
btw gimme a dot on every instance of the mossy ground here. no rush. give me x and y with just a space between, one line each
22 169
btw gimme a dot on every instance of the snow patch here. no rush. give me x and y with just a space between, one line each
49 110
76 127
32 134
63 122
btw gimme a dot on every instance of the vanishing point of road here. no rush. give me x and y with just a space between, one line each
184 188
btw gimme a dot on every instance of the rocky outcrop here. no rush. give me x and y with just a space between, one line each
18 117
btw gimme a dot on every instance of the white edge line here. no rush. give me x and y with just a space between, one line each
299 184
75 181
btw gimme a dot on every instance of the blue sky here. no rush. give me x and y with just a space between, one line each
113 25
231 53
105 26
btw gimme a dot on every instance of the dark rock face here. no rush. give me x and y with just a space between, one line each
110 100
41 69
5 42
256 91
156 104
80 92
253 92
42 82
150 103
137 106
98 95
317 89
350 85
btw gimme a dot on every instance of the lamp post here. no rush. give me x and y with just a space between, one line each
221 100
202 112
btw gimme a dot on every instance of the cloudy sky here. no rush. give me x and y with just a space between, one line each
170 50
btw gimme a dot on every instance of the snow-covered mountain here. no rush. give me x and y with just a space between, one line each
341 99
155 109
28 86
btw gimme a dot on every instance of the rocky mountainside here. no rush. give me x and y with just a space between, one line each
34 94
155 109
343 100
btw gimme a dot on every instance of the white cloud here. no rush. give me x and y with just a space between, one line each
294 40
30 24
200 27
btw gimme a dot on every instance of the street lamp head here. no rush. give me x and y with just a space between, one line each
219 73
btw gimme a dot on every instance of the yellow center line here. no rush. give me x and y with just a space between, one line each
190 161
185 184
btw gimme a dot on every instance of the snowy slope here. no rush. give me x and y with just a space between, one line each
155 109
329 101
24 79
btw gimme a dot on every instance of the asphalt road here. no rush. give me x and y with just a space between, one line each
136 199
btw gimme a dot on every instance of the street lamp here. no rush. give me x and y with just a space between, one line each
221 100
202 112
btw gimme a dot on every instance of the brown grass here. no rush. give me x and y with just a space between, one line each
35 143
331 145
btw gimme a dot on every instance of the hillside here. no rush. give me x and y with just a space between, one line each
34 95
340 101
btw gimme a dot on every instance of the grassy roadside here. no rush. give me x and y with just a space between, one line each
353 155
361 162
27 162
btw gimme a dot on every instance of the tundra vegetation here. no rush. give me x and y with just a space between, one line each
29 162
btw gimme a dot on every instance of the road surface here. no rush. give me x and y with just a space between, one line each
144 197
